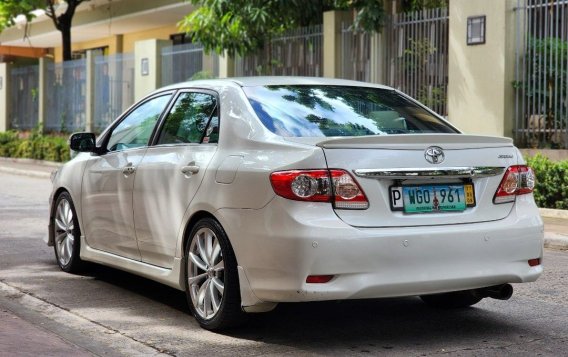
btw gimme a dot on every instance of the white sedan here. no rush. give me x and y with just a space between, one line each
248 192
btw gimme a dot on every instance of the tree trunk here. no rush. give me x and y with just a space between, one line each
63 23
66 41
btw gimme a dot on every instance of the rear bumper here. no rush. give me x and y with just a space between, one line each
281 244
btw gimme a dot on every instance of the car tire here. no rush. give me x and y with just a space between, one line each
66 234
453 300
211 278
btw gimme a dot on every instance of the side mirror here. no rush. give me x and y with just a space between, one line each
82 142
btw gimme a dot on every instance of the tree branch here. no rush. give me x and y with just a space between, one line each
51 14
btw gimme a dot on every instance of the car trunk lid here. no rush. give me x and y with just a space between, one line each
384 164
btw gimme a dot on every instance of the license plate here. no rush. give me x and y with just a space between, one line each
432 198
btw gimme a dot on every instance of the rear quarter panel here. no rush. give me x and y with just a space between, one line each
238 176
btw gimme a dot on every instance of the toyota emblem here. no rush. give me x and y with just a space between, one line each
434 155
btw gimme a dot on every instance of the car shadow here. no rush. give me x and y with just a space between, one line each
359 326
147 288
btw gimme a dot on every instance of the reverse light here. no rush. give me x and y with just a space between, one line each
347 193
335 186
518 180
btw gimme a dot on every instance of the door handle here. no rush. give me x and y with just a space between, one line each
128 169
190 169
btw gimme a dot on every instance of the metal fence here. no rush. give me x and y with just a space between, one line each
114 88
541 74
296 53
355 54
65 96
181 62
417 51
24 97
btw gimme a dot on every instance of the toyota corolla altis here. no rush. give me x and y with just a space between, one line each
248 192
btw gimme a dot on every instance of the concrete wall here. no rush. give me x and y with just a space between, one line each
162 33
148 51
480 93
332 41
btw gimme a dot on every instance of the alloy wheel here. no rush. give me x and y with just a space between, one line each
64 232
205 273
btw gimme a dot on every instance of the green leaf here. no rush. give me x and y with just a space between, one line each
244 26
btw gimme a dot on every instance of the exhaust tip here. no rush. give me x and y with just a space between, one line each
499 292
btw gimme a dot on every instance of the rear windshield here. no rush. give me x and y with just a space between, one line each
312 111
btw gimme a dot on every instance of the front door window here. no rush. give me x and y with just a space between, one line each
135 130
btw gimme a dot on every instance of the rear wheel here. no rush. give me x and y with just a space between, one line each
67 235
453 300
212 285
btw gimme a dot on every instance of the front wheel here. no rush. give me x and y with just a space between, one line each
212 285
67 235
453 300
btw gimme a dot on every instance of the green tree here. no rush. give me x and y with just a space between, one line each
62 20
242 26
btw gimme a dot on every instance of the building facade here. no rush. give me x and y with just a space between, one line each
474 62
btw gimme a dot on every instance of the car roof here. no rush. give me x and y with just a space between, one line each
275 81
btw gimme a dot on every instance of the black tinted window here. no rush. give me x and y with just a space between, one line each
311 111
189 118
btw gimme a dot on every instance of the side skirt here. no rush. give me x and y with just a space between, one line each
171 277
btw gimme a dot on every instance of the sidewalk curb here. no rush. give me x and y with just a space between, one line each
555 241
32 162
31 173
94 337
553 213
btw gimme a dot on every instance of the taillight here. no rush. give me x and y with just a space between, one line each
336 186
302 185
518 180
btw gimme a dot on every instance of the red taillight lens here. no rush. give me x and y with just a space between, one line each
518 180
318 279
302 185
534 262
335 186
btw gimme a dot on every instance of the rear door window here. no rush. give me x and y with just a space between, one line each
192 119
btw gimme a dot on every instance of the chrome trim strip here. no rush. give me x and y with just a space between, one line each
418 173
